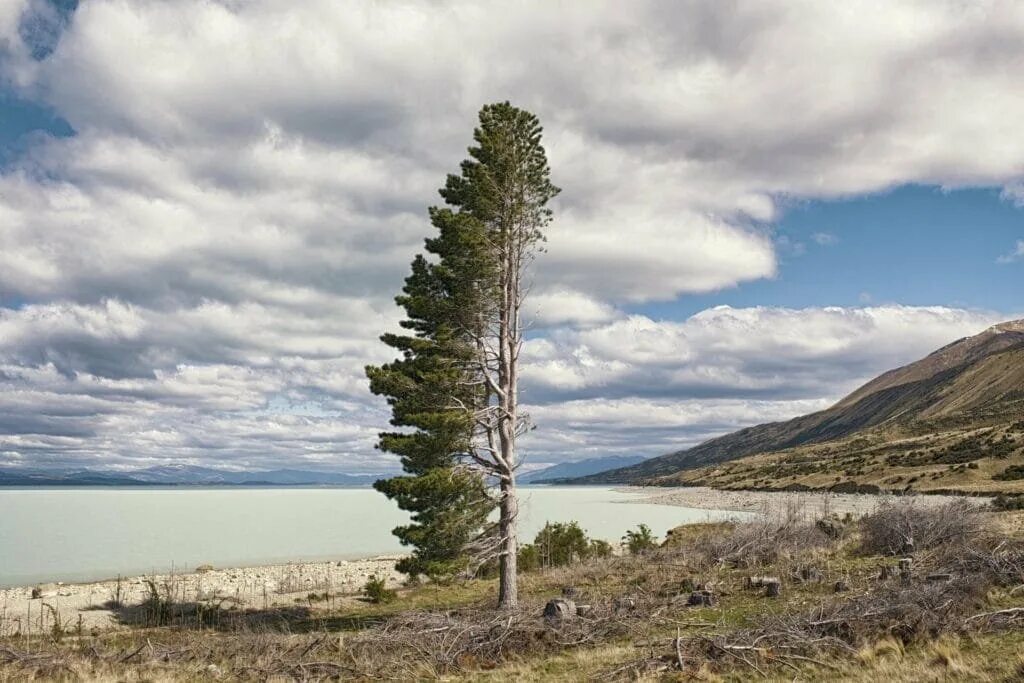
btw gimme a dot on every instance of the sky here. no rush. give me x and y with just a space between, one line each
206 208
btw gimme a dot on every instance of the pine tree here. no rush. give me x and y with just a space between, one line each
505 186
457 383
428 389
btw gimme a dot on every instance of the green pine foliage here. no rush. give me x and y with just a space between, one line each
640 540
560 544
429 389
454 387
377 592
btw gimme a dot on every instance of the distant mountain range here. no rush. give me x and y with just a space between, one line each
191 475
580 468
180 475
935 414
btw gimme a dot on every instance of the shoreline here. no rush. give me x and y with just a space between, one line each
772 502
89 606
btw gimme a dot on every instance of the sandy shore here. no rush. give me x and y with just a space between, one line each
86 605
770 502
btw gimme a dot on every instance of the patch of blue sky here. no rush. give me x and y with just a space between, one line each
914 245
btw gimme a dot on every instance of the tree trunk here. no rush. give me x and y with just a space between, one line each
508 586
509 338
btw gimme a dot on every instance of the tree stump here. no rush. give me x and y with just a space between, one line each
625 602
812 575
761 581
703 598
841 586
559 609
831 527
773 589
906 564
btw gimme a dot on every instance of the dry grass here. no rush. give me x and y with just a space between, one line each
639 622
901 526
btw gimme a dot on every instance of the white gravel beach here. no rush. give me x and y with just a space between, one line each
86 606
770 502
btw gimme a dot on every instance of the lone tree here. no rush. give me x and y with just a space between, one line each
457 382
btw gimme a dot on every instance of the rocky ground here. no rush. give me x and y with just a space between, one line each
90 606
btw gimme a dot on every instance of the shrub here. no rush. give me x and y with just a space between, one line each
788 532
561 544
377 591
556 545
1005 502
1011 473
600 549
529 558
640 541
899 527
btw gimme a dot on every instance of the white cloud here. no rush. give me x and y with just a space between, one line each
573 430
1016 255
565 306
248 182
726 352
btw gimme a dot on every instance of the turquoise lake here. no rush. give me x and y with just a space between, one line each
81 534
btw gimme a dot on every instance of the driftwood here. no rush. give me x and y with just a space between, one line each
760 581
560 609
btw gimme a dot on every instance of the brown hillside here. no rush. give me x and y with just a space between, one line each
976 381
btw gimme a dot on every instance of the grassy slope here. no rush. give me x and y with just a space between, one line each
976 384
964 459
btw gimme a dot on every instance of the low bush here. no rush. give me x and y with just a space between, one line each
1011 473
558 544
766 539
377 592
1005 502
640 541
902 526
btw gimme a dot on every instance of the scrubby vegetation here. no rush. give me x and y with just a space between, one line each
980 455
556 545
930 593
969 449
1011 473
1002 502
640 540
377 592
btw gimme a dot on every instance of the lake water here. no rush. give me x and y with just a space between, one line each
80 534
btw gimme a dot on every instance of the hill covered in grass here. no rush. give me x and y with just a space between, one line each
960 405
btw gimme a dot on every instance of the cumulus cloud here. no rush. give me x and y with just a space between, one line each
1016 255
203 268
578 429
730 353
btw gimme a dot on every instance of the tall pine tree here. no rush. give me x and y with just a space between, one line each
457 382
431 391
